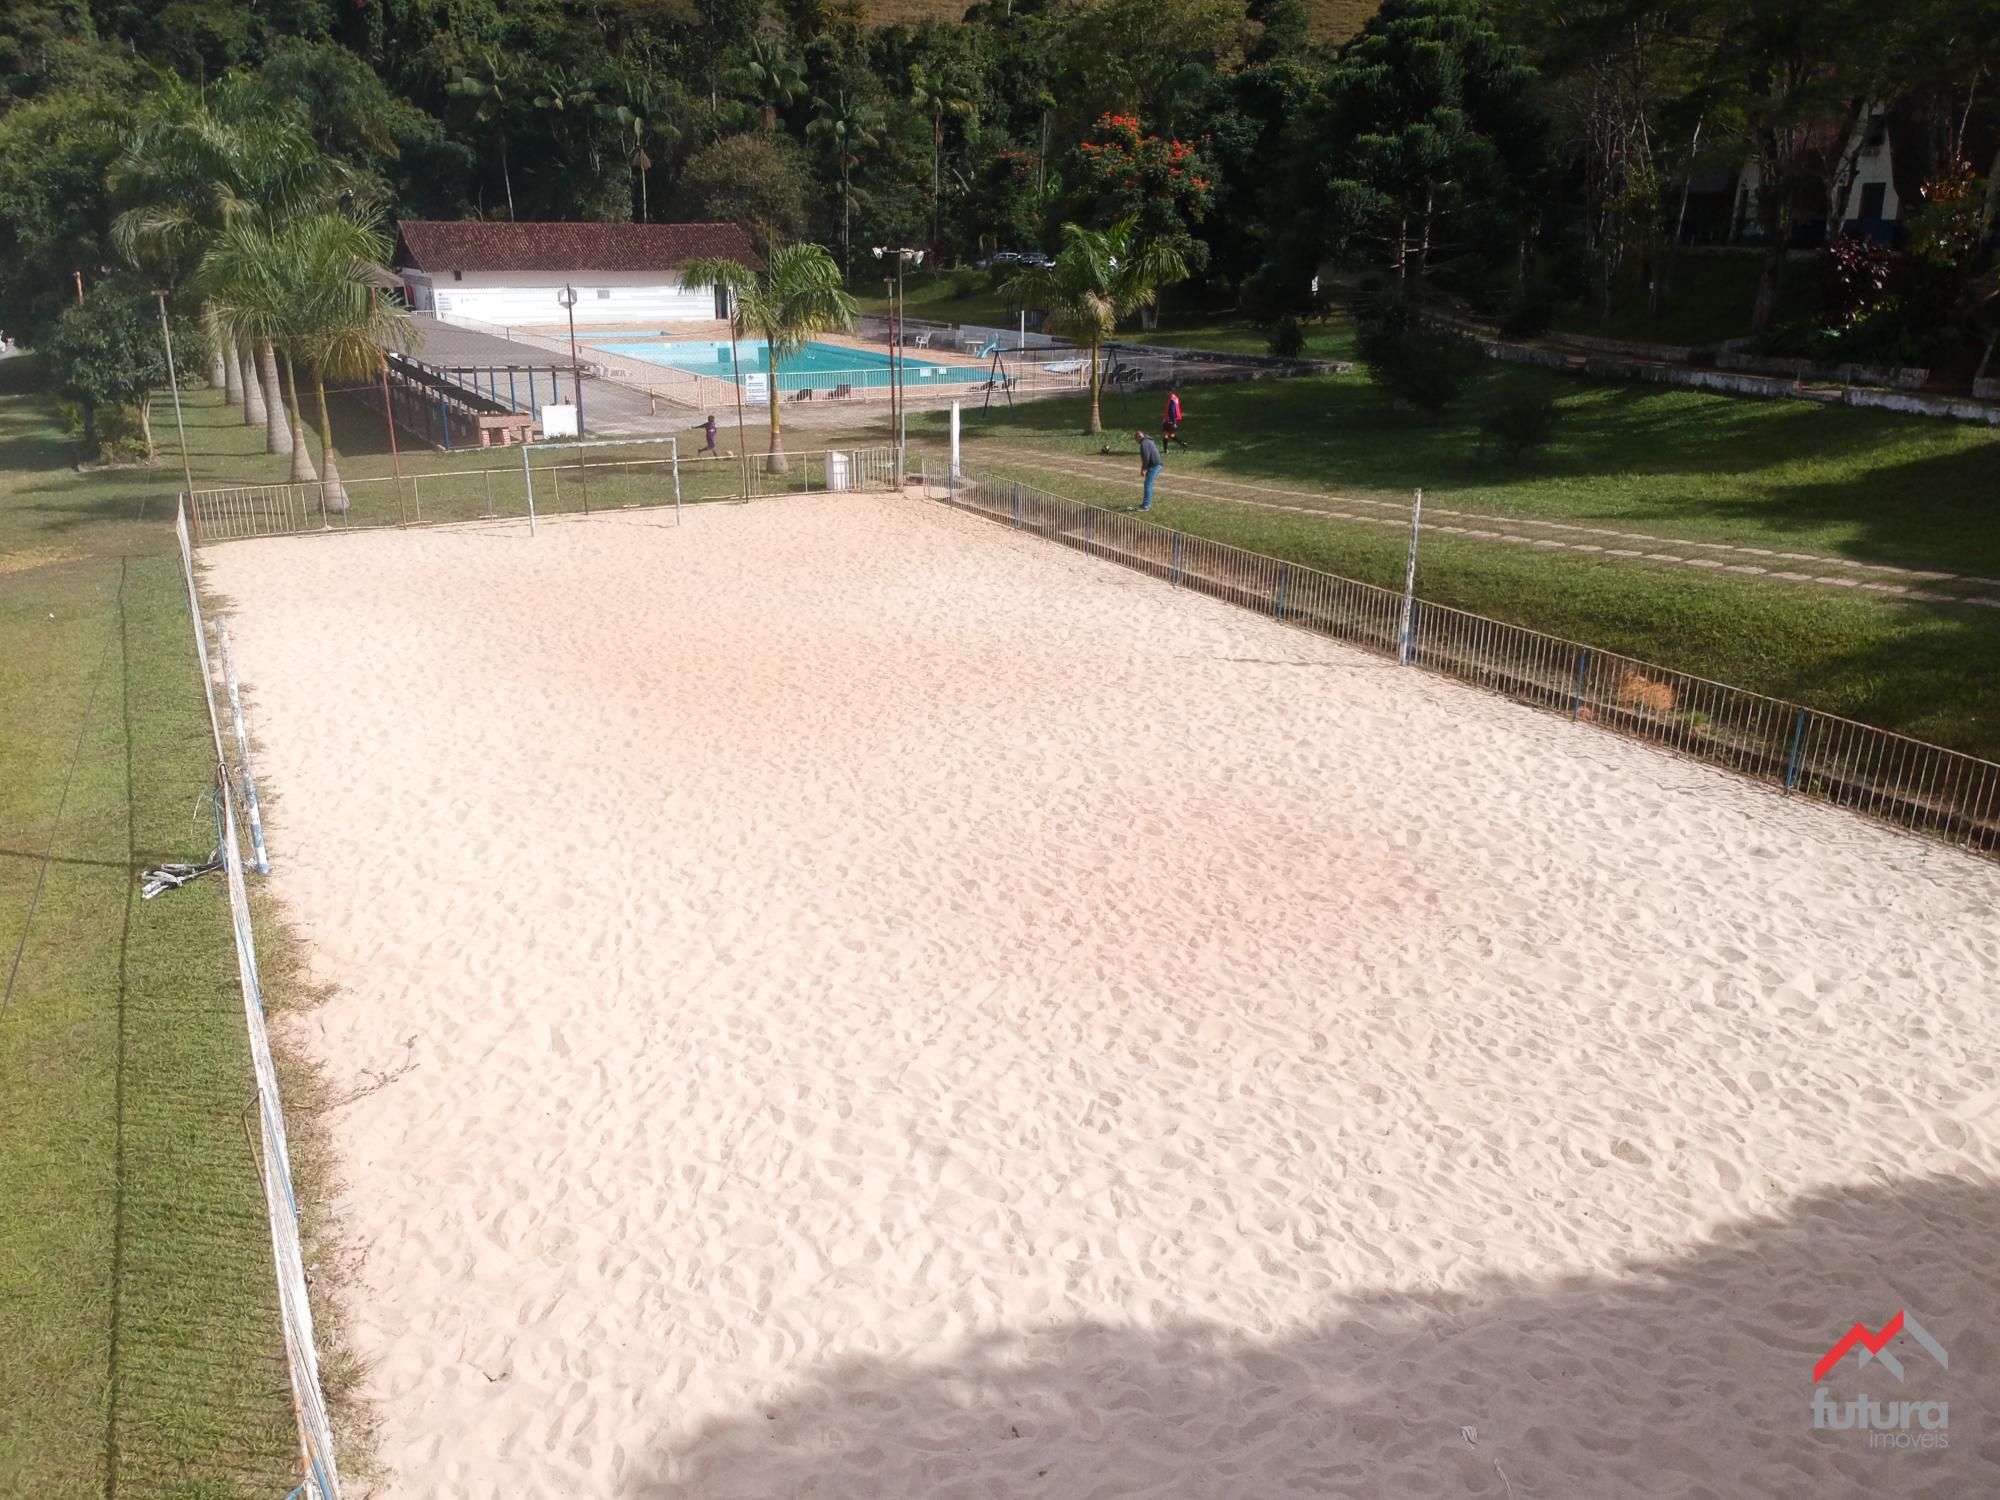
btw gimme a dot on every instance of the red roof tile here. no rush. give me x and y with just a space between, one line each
468 245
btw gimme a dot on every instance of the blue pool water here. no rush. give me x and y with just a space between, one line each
819 366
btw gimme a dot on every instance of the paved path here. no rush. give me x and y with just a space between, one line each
1556 536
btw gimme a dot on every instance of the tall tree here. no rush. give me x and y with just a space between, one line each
800 293
202 159
847 126
492 83
1099 277
937 96
767 78
316 281
1414 102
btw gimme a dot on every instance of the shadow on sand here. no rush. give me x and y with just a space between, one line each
1683 1375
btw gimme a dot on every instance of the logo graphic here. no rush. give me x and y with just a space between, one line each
1874 1347
1886 1424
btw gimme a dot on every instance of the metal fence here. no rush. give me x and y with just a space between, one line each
1917 786
562 480
320 1478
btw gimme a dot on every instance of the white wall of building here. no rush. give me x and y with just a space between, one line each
1873 165
517 298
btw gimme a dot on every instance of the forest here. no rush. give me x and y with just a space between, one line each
1525 160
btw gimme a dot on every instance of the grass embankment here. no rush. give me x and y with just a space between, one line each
139 1343
1870 487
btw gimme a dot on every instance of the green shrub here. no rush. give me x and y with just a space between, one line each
1288 338
1520 425
1416 362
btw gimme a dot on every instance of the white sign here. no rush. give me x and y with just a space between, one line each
559 421
756 390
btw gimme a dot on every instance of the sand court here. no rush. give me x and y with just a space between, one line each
869 1005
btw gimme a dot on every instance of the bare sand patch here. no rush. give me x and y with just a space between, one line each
888 1008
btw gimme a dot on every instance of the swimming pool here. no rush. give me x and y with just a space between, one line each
816 366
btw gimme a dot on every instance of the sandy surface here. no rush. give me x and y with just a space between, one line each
878 1007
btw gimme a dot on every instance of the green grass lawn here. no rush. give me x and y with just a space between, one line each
1871 487
139 1343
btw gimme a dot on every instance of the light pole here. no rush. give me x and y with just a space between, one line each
567 297
174 384
899 401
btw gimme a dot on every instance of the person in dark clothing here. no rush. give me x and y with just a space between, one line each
1149 465
708 431
1170 423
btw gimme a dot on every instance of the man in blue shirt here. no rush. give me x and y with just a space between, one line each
1149 465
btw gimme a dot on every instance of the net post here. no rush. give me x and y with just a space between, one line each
1576 694
1798 738
1410 582
675 451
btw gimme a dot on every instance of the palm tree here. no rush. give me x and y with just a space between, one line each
490 79
312 283
640 112
569 95
198 161
764 75
848 126
1099 277
799 293
937 97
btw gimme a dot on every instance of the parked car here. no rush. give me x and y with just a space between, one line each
999 260
1036 259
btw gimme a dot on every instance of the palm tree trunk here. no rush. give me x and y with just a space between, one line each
218 368
145 409
253 396
508 178
331 487
846 226
232 374
302 466
277 430
776 461
1096 413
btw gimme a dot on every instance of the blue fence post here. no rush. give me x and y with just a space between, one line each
531 388
1177 557
1281 590
513 399
1798 739
444 419
1576 696
1017 505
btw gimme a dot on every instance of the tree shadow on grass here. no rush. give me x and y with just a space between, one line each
1675 1375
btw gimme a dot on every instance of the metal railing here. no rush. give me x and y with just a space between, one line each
1913 785
320 1477
578 480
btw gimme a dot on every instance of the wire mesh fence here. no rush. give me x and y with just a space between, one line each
320 1476
561 479
1921 787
